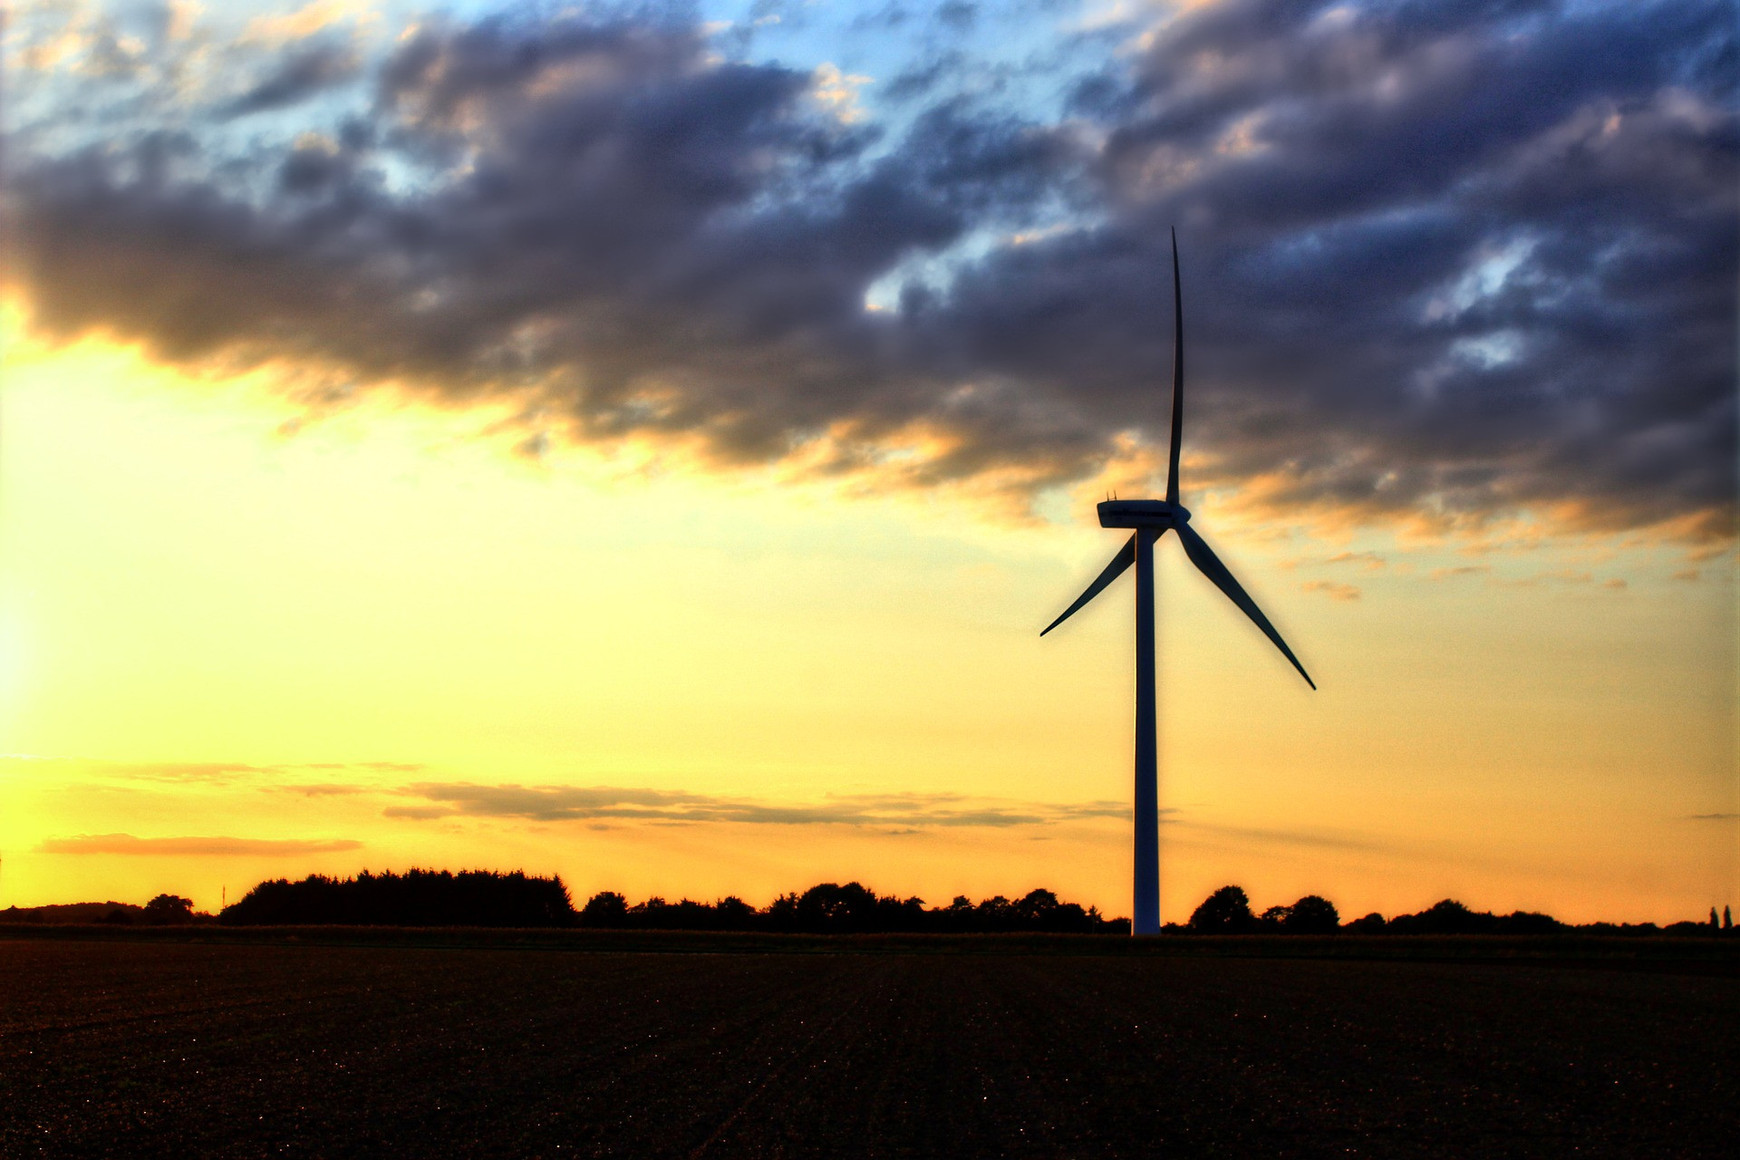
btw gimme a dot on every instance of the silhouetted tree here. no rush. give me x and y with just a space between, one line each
994 913
651 914
605 909
1312 915
169 910
1272 919
782 912
1226 911
958 917
1040 910
734 913
831 907
1372 923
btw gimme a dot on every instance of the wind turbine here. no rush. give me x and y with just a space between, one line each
1150 518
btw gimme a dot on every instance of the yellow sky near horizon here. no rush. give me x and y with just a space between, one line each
384 640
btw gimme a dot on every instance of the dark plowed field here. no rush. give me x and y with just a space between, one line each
143 1048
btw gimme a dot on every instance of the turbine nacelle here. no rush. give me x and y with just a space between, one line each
1142 513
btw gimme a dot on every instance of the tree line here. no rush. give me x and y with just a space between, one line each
414 898
831 908
164 910
489 898
1228 911
516 899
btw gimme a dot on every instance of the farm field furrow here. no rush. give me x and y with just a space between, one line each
117 1048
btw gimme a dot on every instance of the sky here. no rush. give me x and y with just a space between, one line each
642 443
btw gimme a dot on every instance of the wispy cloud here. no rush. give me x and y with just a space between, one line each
320 789
1562 577
194 847
1370 561
209 771
1332 589
1308 839
266 776
570 803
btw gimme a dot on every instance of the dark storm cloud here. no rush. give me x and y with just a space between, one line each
1442 260
569 803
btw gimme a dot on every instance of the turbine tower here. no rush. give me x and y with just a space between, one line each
1149 519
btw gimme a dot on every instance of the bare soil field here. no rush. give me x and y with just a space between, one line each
158 1046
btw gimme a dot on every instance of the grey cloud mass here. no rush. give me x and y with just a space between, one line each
1442 260
298 77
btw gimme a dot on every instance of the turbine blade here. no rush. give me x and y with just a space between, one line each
1177 375
1209 565
1125 557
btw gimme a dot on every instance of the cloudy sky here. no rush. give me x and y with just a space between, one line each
643 441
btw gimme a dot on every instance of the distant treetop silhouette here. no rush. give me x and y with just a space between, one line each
414 898
169 910
1226 911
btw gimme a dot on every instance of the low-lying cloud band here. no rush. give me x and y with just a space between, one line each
127 844
569 803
